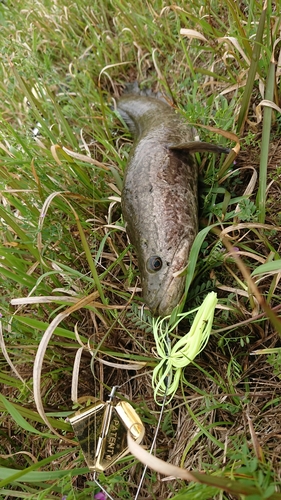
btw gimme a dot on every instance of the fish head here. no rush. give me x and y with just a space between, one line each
162 276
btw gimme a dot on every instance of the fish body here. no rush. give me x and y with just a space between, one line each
160 197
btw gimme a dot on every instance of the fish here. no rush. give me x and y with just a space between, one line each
159 198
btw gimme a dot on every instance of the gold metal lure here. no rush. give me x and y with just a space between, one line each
101 430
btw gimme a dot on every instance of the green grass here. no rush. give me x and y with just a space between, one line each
68 274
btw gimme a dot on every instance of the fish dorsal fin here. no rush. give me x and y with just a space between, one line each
198 147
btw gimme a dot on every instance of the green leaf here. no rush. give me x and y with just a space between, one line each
269 267
31 475
15 414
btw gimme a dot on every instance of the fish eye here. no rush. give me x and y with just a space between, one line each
154 264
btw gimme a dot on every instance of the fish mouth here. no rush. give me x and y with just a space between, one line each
168 303
167 298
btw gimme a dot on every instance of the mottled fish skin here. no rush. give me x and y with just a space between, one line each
159 196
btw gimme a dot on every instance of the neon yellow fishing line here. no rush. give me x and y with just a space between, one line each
167 373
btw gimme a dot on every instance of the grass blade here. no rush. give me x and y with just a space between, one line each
265 142
252 72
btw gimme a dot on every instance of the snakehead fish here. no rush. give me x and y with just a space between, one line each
159 196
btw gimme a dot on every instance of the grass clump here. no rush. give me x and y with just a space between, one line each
66 267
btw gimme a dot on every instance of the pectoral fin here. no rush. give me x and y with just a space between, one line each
198 147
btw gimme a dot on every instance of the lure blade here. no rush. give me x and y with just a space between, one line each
101 430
